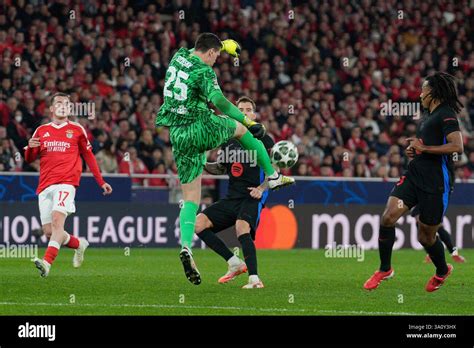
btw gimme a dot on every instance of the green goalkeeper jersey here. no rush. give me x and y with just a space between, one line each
189 86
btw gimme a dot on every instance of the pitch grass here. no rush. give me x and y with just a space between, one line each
298 282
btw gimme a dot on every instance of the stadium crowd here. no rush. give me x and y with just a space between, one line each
319 71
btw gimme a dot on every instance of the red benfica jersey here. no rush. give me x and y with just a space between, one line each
59 153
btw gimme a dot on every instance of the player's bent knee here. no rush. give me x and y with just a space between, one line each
426 234
242 227
425 240
241 233
57 221
47 230
240 130
192 190
202 223
389 219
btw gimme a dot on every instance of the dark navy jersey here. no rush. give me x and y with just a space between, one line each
434 173
243 171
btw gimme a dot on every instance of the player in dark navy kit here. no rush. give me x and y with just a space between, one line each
241 207
428 181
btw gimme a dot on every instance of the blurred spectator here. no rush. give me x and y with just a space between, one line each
355 142
134 165
7 162
158 169
319 80
107 158
16 130
361 171
146 147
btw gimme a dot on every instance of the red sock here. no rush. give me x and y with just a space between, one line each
73 242
51 252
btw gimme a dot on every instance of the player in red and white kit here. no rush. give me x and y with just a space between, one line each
60 145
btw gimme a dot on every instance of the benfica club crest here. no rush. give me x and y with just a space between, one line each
69 133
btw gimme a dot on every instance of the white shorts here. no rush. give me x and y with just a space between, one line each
58 197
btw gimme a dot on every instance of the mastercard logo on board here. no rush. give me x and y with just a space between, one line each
277 229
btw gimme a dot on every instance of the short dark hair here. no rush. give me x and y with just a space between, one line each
58 94
207 41
443 88
245 99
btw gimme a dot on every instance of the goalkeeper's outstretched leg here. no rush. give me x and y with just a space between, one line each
249 142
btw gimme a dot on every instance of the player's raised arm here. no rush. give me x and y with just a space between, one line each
210 88
452 134
227 108
85 148
32 150
454 144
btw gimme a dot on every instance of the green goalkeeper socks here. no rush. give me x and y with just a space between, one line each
187 221
263 160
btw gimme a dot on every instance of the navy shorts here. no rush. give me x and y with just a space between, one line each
430 206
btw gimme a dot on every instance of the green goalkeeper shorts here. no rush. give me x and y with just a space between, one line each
191 141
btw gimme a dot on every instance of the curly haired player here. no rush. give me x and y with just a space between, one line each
428 181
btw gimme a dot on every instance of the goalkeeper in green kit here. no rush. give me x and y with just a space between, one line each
190 83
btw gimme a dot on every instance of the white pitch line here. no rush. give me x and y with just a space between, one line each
321 311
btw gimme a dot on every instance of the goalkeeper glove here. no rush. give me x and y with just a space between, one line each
231 47
257 129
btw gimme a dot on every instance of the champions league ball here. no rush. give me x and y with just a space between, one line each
284 154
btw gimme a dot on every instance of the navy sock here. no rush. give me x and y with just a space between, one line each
386 241
446 239
436 252
215 243
250 253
